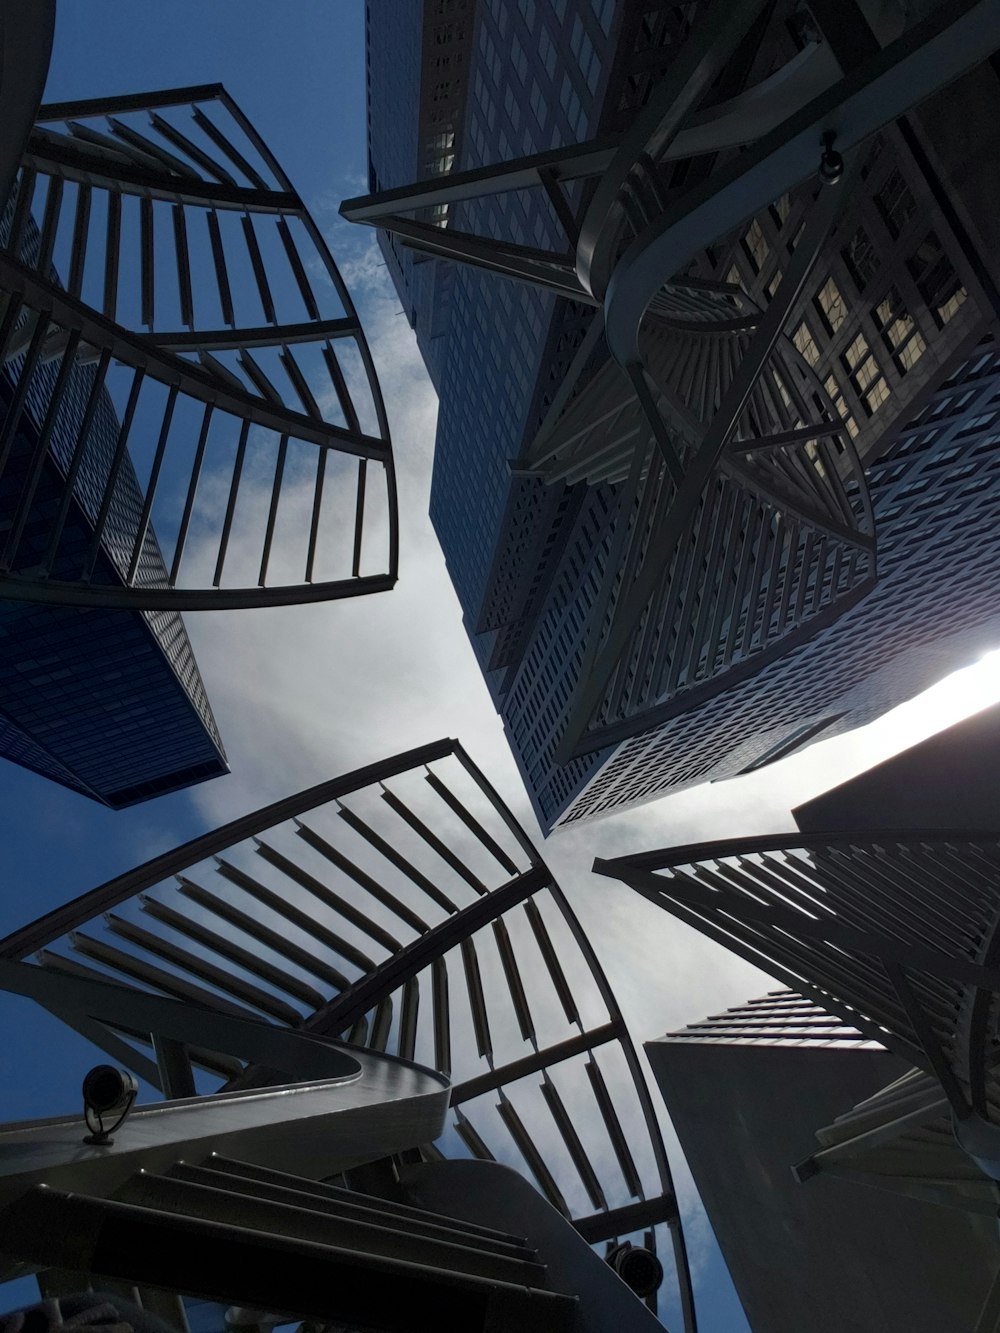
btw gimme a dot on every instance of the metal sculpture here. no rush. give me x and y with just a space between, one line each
896 934
180 349
743 524
403 908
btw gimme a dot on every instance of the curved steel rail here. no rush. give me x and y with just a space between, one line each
401 906
898 934
228 395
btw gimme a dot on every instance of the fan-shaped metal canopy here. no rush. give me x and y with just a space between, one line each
402 908
192 414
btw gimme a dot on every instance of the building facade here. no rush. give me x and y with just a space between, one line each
892 323
109 703
747 1091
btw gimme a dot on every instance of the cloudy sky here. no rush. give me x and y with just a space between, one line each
302 694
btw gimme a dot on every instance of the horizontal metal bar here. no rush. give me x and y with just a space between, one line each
570 163
536 1062
264 335
622 1221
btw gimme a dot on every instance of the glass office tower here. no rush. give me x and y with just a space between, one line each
893 324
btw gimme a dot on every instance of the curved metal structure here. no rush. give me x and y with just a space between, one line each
898 934
178 342
403 908
723 556
702 588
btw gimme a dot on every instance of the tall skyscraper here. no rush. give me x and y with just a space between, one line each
639 635
747 1091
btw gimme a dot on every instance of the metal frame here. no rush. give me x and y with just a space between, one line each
403 907
897 933
260 360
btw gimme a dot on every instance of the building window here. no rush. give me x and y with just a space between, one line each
830 305
895 203
806 344
936 280
861 259
840 405
866 374
756 246
780 210
901 335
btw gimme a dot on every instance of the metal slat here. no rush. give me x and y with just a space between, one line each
147 274
614 1127
156 977
209 128
552 963
112 252
533 1158
183 266
304 920
470 1136
317 507
221 273
359 520
16 407
367 882
167 952
355 822
111 483
199 458
50 225
471 822
154 477
406 1043
27 181
225 947
515 986
477 999
272 513
442 1020
433 841
351 420
81 231
259 380
298 382
151 150
295 260
574 1146
188 146
334 901
381 1025
257 263
234 487
271 939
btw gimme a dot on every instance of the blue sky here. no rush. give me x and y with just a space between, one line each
284 683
